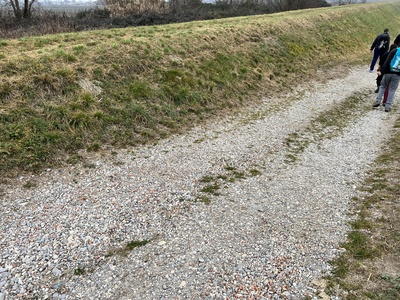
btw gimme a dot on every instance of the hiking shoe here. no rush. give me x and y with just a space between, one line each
371 70
377 90
388 109
377 103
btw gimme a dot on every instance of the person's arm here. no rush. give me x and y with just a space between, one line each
375 43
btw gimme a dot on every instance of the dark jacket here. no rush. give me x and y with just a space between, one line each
382 42
383 58
397 40
385 69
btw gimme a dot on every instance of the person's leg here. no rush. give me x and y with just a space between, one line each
385 95
394 83
377 52
378 82
382 88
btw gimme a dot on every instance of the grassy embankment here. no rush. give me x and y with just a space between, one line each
61 93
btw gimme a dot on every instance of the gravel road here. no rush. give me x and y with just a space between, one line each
217 213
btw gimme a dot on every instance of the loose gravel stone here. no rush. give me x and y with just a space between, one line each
139 224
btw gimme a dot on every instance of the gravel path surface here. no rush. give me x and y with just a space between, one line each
269 233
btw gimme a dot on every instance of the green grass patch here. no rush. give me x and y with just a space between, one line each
203 199
79 271
206 179
127 248
211 189
358 245
255 172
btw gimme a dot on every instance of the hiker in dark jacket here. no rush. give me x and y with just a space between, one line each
382 60
390 80
379 47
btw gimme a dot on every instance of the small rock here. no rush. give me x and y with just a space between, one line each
56 272
324 296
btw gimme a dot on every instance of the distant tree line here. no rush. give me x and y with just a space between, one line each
126 7
23 9
28 18
344 2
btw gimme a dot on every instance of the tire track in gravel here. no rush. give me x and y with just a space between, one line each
267 235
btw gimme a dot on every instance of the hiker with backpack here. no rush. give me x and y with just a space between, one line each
379 47
382 60
390 80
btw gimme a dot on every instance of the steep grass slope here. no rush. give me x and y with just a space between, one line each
61 93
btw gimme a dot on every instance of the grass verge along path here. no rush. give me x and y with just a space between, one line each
370 267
